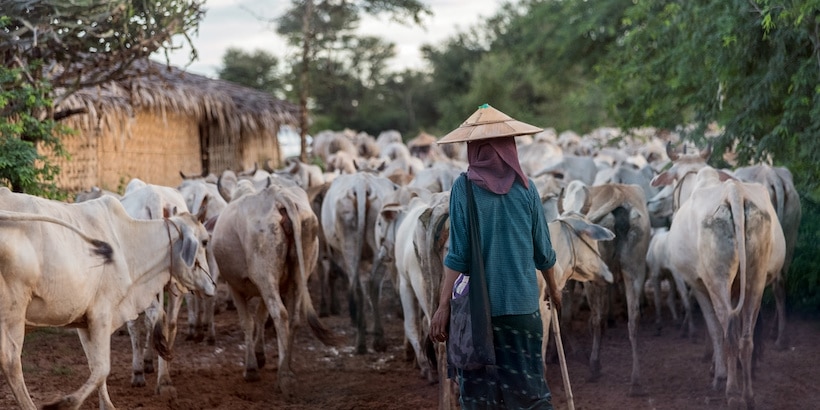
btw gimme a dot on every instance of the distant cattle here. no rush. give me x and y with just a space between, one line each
51 278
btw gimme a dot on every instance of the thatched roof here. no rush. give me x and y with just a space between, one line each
233 109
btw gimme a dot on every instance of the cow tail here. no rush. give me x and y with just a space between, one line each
739 216
101 248
323 333
361 236
780 197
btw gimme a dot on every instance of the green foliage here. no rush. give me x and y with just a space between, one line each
22 167
803 280
342 74
750 67
258 70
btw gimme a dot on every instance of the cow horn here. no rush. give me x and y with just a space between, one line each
706 152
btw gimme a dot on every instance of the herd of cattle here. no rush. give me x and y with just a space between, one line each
624 214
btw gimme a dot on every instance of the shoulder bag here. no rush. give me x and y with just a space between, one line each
470 338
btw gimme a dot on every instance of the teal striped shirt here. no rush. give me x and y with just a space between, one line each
515 239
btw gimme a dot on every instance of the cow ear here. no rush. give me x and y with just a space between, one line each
391 211
203 209
664 178
598 232
724 176
190 246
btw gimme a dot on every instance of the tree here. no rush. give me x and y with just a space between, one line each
749 66
324 28
51 48
22 167
258 70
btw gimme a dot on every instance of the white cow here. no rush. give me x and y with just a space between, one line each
349 212
51 279
657 263
266 246
727 243
158 326
786 202
203 198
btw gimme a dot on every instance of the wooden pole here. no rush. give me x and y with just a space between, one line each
556 329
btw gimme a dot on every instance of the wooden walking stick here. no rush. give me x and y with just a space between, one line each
556 330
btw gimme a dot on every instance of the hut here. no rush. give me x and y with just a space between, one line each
164 121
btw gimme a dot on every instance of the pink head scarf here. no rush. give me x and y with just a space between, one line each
494 164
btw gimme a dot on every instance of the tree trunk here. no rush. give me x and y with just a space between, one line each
304 80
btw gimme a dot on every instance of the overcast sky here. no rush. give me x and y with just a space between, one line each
242 24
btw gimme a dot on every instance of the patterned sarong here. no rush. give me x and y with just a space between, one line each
517 380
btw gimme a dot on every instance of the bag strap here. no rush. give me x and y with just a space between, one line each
475 234
481 316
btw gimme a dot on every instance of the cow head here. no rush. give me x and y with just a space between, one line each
189 262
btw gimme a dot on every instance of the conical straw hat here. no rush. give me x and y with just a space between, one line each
487 122
422 140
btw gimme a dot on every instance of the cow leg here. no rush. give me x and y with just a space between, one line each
164 383
151 318
411 324
670 299
686 302
260 320
209 304
633 284
96 342
12 334
779 291
655 281
716 334
597 297
571 308
195 319
136 330
374 295
323 275
210 307
746 347
334 274
251 373
361 324
284 338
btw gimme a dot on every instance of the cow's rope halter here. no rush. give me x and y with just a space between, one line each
572 230
678 188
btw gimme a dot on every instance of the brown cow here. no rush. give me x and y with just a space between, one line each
266 246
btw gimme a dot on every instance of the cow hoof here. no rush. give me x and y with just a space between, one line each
138 380
148 367
166 391
361 349
251 375
211 340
